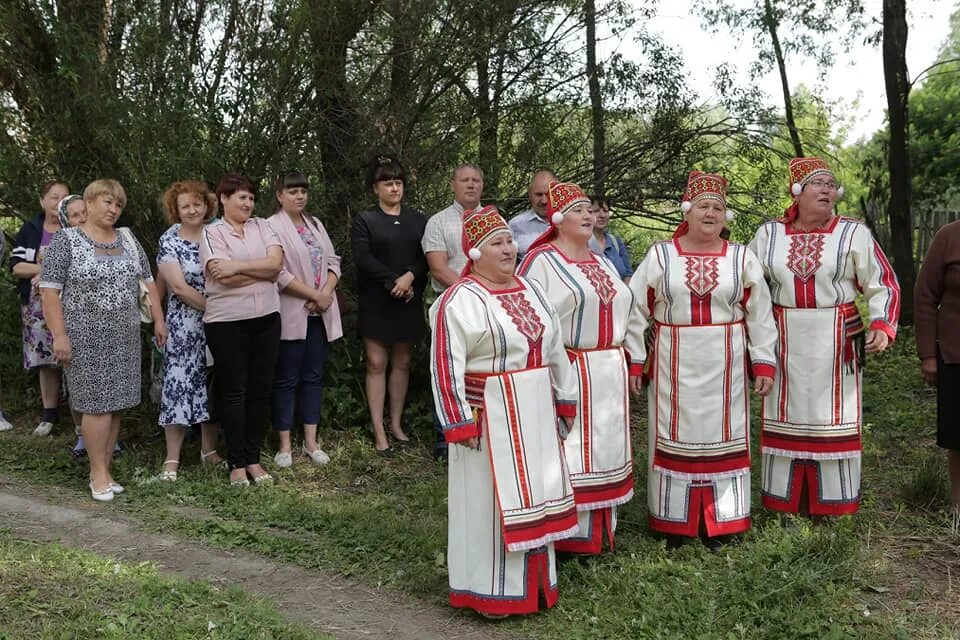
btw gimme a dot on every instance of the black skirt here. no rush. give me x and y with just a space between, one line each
948 405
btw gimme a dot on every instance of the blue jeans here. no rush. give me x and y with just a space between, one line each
300 364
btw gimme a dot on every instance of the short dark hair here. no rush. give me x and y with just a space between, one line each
602 201
385 166
233 182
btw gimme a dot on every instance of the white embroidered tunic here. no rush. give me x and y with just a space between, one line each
712 318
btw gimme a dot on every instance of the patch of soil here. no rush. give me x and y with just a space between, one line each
323 602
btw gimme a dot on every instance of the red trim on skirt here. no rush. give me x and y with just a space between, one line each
701 502
538 576
600 520
805 472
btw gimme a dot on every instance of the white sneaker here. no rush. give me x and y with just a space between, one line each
318 455
5 424
43 429
284 459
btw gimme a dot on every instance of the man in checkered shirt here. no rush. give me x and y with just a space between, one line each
443 246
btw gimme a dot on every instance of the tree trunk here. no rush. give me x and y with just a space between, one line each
596 99
898 156
402 35
770 20
489 121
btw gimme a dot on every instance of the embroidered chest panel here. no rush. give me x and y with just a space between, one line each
702 274
523 314
805 255
601 282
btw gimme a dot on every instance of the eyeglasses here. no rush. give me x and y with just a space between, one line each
820 184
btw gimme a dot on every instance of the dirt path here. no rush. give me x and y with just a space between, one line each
323 602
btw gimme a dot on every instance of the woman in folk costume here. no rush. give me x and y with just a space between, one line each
594 308
500 379
712 332
816 263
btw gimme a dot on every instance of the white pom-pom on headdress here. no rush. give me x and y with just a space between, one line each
474 253
685 206
840 191
557 218
796 188
729 214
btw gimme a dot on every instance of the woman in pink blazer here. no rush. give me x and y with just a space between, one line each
309 316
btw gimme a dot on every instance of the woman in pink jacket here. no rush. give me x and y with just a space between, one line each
309 316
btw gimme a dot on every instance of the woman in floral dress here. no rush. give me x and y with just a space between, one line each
184 401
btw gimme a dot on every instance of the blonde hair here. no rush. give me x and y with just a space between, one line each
105 187
193 187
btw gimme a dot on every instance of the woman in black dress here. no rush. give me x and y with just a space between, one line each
391 276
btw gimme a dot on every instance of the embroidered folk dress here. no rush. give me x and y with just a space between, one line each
711 320
500 372
812 418
602 329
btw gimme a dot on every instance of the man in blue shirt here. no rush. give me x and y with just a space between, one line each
530 224
607 244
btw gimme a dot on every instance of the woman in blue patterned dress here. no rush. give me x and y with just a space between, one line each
183 402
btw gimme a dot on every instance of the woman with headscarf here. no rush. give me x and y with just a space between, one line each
817 263
72 212
605 345
712 332
500 380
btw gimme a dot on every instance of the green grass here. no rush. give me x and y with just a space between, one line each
47 591
384 521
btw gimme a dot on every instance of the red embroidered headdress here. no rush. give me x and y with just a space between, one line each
802 171
479 226
700 186
560 197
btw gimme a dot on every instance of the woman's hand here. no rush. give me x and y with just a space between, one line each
928 370
62 350
160 332
471 443
762 385
403 286
877 341
35 281
322 300
220 269
636 384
